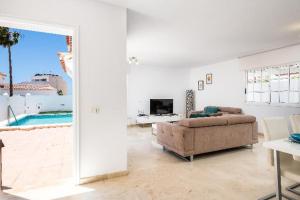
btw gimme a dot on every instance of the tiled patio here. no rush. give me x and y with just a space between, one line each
36 158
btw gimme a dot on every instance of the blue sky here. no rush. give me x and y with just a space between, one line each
36 52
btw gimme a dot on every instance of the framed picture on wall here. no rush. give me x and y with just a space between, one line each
208 78
200 85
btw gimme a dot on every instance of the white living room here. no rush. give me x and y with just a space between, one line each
229 81
248 83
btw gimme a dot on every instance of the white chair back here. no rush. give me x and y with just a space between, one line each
295 122
275 128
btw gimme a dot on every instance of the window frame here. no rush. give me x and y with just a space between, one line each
280 68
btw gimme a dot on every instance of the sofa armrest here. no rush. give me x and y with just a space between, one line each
176 138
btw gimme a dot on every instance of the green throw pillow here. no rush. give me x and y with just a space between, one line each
196 115
211 109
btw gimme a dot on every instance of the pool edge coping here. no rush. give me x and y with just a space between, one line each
4 123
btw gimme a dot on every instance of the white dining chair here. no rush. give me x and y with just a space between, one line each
295 122
277 128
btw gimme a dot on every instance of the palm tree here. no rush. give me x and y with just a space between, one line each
7 40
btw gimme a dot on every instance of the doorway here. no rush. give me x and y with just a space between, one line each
44 151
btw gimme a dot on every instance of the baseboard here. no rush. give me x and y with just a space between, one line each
102 177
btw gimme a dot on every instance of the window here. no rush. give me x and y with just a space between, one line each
274 85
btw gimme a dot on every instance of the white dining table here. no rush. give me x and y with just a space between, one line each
285 146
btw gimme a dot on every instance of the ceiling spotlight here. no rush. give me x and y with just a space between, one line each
133 60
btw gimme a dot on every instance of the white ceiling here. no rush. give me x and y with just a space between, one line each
189 33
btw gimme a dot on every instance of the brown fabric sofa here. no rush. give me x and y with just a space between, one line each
189 137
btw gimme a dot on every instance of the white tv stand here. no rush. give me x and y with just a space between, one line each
150 119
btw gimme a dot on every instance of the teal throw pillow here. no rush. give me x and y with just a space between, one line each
211 109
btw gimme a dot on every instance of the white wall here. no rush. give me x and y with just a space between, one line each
271 58
147 82
3 107
102 56
228 90
45 103
17 104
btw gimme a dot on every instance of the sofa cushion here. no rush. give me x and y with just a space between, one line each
215 114
211 109
230 110
197 115
240 119
203 122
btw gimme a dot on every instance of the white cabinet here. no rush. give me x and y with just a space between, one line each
158 118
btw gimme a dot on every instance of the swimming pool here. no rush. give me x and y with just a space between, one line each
43 119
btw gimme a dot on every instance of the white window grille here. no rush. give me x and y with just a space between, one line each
274 85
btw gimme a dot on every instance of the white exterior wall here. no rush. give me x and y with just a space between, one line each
34 104
42 103
55 81
17 104
102 55
3 107
58 83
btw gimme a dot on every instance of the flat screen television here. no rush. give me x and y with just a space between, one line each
161 106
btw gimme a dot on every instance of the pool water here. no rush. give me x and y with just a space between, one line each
43 119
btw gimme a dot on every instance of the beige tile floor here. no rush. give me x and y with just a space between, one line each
37 157
239 174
